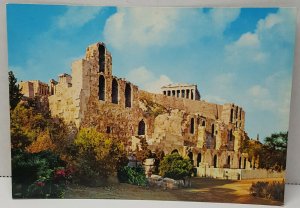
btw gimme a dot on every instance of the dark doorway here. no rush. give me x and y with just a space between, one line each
174 151
212 130
114 91
101 50
215 161
199 158
192 127
128 95
228 161
141 130
101 88
230 135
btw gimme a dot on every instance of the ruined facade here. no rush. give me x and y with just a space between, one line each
209 134
34 88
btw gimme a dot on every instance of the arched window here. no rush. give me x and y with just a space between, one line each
192 127
174 151
101 88
101 50
199 158
212 130
240 163
142 127
128 95
215 161
245 160
231 115
114 91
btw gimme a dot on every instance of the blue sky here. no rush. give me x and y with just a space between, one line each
242 56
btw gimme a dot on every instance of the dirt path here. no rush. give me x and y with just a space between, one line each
205 190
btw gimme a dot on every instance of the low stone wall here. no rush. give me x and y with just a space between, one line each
221 173
237 174
261 173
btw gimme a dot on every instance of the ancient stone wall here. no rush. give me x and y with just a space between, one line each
207 133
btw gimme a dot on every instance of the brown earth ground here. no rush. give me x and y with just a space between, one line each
202 190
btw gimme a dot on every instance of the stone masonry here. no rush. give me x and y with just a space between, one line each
209 134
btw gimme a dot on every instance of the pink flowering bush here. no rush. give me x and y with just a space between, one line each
39 175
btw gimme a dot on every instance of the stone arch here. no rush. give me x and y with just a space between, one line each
174 151
215 161
101 88
192 127
212 130
114 91
199 159
101 50
141 128
128 95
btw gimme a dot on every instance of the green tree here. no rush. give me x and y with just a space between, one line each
176 167
33 130
273 154
15 94
98 156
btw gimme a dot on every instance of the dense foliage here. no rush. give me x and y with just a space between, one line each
34 130
132 175
15 94
176 167
274 190
272 154
38 175
97 155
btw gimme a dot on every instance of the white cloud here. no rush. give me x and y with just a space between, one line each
148 81
144 27
274 96
77 16
266 44
248 40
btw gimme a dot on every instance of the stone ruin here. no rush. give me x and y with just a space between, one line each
176 120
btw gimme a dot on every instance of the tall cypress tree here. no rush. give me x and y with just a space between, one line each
15 94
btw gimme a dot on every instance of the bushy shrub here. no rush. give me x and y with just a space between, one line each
133 175
176 167
38 175
274 190
97 156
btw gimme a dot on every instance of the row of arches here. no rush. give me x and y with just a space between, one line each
215 160
192 129
115 91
